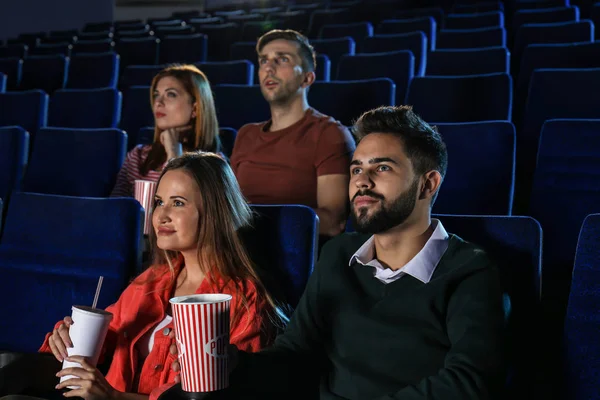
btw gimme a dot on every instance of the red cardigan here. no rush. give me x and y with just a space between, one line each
143 305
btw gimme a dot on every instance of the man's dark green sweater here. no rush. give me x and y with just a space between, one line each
403 340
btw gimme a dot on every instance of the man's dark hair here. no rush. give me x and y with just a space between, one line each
307 53
423 144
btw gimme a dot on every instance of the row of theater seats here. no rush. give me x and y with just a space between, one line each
480 179
102 237
418 35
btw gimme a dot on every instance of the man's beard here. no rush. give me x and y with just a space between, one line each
389 215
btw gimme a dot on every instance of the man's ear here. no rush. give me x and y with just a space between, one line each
309 79
432 181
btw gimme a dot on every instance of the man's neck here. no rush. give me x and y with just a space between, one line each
397 246
286 115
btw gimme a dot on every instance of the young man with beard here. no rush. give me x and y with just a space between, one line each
402 310
299 156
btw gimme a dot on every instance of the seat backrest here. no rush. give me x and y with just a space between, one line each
558 55
564 192
138 51
478 7
487 189
252 30
228 99
244 51
435 12
481 61
85 108
93 46
515 243
227 137
75 162
47 73
396 65
183 49
462 99
334 48
471 38
283 241
28 109
355 30
323 71
545 16
539 4
581 351
427 25
137 112
93 71
564 32
13 68
321 17
221 37
474 21
239 72
139 75
54 248
416 42
14 152
19 50
555 93
347 100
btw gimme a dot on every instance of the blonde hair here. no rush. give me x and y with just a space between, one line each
205 132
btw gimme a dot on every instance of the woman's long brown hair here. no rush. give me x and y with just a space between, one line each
205 132
224 211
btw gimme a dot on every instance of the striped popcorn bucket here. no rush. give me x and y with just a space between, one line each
202 334
143 192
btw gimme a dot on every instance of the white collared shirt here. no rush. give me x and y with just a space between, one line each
420 267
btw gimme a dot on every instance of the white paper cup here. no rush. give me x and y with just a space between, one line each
202 333
143 191
89 329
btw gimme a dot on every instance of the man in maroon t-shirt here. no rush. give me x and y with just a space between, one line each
299 156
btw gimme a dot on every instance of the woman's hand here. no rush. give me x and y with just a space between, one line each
92 385
232 352
60 340
171 140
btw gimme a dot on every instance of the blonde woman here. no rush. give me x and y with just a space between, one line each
185 120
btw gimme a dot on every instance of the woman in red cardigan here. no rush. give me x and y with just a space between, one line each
197 214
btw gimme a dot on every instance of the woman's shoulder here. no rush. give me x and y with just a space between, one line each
237 288
152 278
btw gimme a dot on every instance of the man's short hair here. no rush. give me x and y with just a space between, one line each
423 144
307 53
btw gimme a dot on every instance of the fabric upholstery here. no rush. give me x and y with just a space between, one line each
85 108
582 350
75 162
515 243
52 253
283 241
480 176
14 152
462 99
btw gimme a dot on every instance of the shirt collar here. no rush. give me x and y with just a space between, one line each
422 265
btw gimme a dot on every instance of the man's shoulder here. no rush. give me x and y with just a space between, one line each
326 122
342 247
463 257
250 128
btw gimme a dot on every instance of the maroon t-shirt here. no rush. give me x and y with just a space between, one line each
282 167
